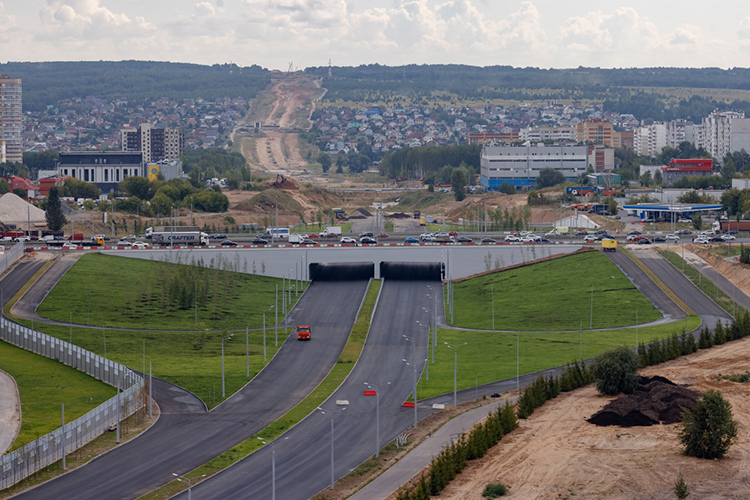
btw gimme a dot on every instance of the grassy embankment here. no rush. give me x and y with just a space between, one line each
190 358
333 380
546 296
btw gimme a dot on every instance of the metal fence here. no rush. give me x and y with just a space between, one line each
48 449
10 256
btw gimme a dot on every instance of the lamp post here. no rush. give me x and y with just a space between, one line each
377 417
189 482
273 466
414 366
223 385
455 369
330 414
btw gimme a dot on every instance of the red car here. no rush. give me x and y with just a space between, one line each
453 233
312 235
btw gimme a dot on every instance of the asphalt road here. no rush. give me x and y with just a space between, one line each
185 436
302 454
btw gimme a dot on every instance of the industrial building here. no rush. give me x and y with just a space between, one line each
10 120
692 167
103 168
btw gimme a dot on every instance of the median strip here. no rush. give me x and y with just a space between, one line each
338 374
659 283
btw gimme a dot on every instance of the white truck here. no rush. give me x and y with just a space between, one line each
177 236
331 231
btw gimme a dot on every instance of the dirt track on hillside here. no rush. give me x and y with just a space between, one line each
557 454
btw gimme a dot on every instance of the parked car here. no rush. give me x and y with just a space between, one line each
411 239
684 220
228 243
347 240
259 241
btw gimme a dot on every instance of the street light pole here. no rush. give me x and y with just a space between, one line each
455 370
189 482
330 414
223 387
377 417
273 466
414 365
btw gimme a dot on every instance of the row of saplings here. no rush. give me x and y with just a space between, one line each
708 430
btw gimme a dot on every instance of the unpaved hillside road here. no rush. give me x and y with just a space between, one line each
557 454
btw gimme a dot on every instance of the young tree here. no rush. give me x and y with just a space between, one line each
458 182
616 371
4 186
549 177
54 214
325 161
681 488
708 430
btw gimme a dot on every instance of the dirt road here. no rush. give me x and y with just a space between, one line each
557 454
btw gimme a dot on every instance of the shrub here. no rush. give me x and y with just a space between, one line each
708 429
494 490
616 371
681 488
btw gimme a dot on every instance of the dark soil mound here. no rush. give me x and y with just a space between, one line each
656 400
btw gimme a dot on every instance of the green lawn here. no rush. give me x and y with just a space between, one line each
44 385
553 295
121 292
491 356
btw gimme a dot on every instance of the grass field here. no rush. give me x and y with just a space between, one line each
121 292
491 356
44 385
554 295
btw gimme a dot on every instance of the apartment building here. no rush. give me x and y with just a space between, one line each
724 132
10 118
548 133
599 132
155 143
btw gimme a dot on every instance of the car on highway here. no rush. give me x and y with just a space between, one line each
21 238
124 243
672 237
313 235
69 246
701 239
464 239
452 233
348 240
228 243
684 232
130 237
367 240
512 238
411 239
716 239
684 220
140 244
728 237
589 238
259 242
644 241
6 238
634 233
382 236
531 238
489 241
659 239
218 236
49 237
366 235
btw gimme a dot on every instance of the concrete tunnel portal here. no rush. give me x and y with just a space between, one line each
398 271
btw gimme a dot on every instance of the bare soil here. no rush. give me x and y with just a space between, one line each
556 453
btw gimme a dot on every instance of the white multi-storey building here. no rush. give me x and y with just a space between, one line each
10 118
679 131
649 140
724 132
548 133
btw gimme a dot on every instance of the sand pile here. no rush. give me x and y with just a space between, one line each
657 400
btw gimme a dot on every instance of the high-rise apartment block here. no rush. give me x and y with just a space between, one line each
599 132
155 143
10 118
724 132
649 140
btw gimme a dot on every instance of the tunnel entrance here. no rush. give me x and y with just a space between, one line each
411 271
350 271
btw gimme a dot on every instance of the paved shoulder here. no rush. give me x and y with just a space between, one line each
10 412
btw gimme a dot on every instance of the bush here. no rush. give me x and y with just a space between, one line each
681 488
708 430
494 490
616 371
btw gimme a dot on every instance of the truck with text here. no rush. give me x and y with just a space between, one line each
178 236
731 225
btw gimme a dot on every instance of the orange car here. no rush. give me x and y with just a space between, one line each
303 332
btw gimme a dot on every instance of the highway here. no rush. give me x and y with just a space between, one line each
186 436
303 453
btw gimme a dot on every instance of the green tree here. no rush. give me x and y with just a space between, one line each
549 177
20 192
658 178
4 186
681 488
54 214
458 182
708 430
698 222
728 170
325 161
616 371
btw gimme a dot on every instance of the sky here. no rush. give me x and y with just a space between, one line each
275 33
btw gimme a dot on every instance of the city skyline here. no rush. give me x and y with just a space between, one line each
273 34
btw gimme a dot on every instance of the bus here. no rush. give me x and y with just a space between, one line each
278 233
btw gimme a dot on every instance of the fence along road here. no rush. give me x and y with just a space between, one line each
49 449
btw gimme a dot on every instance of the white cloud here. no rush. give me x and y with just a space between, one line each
744 32
87 20
624 29
7 23
204 9
687 36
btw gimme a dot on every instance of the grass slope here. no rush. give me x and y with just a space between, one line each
554 295
44 385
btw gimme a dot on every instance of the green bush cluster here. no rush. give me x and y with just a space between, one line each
616 371
708 430
454 458
543 389
494 490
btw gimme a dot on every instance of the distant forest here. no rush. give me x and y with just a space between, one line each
48 83
617 88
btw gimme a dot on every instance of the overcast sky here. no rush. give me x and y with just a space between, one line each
273 33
